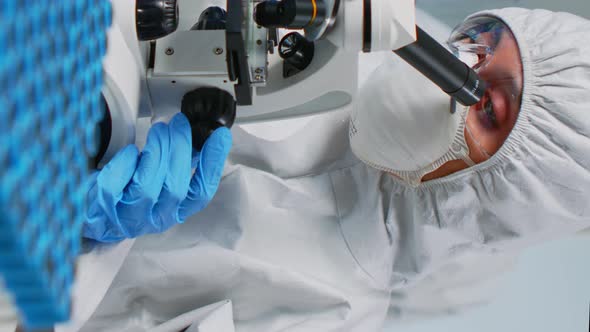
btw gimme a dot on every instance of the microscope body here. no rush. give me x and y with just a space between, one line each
149 79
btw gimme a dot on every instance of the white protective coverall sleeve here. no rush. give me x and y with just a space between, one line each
270 244
304 237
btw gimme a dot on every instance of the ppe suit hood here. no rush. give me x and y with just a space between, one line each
535 187
539 180
553 125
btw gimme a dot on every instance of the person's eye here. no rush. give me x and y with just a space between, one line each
488 110
481 62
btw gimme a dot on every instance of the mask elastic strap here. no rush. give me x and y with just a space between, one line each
461 151
468 161
479 146
459 148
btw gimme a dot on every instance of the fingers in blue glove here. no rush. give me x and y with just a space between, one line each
213 156
102 221
206 179
115 176
144 193
178 177
152 166
135 210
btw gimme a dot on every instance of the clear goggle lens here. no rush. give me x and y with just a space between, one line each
474 41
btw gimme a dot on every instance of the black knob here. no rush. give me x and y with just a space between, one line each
206 110
156 18
297 52
212 18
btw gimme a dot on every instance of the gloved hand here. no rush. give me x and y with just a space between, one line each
136 194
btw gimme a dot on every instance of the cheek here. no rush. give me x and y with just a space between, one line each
501 101
508 106
485 140
481 138
475 152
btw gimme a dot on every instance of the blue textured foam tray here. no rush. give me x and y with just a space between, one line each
50 79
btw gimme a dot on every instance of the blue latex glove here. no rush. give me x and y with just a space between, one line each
136 194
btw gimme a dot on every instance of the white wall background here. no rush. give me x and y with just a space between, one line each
549 291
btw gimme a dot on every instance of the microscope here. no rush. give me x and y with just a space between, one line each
244 61
219 62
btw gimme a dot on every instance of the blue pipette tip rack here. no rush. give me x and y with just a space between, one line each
50 103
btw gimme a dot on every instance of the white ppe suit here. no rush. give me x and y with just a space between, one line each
302 236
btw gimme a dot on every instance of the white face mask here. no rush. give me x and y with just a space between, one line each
405 125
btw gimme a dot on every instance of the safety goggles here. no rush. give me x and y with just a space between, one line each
475 40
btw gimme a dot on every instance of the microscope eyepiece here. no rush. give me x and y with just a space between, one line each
272 14
444 69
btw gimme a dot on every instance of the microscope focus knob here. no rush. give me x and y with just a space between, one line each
206 110
156 18
297 53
